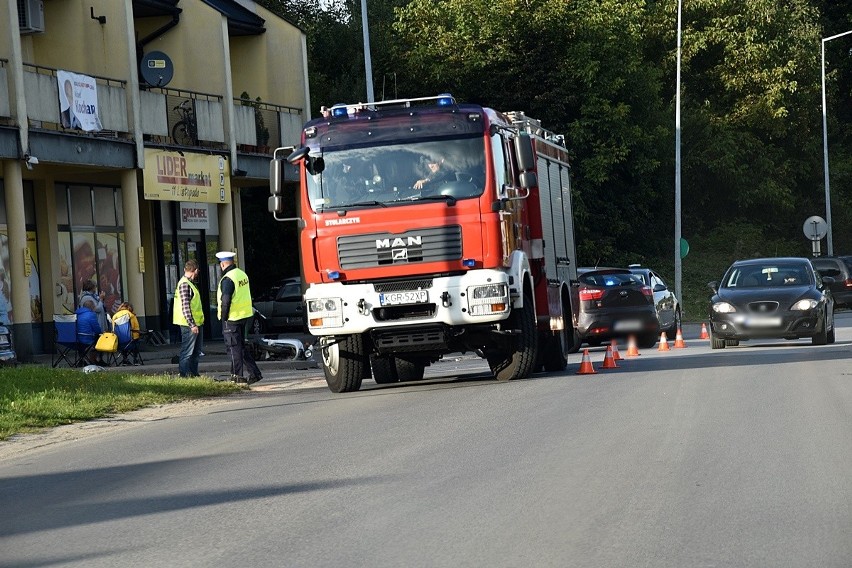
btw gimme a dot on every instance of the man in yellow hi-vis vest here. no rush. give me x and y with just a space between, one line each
235 310
188 313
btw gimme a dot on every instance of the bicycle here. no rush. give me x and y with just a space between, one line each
184 132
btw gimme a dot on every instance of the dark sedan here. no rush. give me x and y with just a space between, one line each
771 298
613 303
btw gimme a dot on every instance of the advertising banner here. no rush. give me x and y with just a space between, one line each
194 215
184 176
78 101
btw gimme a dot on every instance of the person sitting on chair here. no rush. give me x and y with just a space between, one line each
88 331
126 309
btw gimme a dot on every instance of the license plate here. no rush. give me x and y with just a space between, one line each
401 298
763 322
627 325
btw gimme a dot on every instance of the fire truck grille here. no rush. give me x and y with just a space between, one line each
424 338
418 245
403 285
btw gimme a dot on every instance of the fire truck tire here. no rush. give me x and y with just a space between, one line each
384 370
345 363
388 370
409 369
561 344
519 363
555 349
576 341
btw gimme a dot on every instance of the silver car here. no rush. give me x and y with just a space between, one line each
669 312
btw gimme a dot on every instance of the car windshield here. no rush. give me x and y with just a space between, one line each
381 175
766 275
609 279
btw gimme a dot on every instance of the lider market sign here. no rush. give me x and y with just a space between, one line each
199 178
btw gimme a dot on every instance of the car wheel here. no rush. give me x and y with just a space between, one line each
577 341
678 323
716 342
821 337
646 341
831 336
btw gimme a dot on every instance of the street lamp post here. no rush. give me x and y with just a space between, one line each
825 146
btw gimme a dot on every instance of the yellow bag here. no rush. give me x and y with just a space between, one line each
108 342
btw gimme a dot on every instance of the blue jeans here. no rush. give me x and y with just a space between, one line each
190 351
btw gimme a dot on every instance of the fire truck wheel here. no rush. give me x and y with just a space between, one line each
345 363
520 361
409 369
384 370
576 341
555 349
396 369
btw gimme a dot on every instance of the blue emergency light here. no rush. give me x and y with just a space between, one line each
445 99
339 110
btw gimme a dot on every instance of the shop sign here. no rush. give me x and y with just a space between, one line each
194 215
185 176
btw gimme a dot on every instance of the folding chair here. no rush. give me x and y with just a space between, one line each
67 346
128 346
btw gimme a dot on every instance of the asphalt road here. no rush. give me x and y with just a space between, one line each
687 458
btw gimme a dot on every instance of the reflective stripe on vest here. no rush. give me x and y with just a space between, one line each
241 300
194 305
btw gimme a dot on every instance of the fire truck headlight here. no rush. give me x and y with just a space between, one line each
488 299
325 312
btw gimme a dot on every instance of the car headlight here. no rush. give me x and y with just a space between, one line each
805 305
723 308
325 312
487 299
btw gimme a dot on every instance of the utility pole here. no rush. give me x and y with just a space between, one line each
677 235
368 65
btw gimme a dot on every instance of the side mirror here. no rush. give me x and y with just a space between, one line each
660 288
827 281
714 286
524 152
298 154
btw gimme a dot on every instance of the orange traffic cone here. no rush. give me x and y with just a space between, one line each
664 343
632 350
704 334
586 367
616 356
609 361
679 342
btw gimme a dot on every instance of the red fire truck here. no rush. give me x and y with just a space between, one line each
431 227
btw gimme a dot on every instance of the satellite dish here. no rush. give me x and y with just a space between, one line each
156 69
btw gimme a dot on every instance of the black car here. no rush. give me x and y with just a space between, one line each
771 298
840 269
281 308
668 308
611 303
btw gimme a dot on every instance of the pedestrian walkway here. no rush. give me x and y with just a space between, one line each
162 359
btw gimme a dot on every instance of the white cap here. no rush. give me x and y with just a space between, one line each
225 255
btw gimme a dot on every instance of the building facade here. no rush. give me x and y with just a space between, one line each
129 129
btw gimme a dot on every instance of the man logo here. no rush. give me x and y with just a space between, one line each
399 254
400 249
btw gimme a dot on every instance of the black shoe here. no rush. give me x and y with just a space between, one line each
239 380
252 380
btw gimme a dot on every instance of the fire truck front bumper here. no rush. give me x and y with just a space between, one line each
473 298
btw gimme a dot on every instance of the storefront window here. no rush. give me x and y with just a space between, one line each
91 244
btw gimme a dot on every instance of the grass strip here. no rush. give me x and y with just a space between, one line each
34 397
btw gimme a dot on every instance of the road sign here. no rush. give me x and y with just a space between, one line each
684 248
815 228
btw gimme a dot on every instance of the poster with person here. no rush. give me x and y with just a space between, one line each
78 101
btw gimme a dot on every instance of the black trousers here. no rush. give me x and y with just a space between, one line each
234 333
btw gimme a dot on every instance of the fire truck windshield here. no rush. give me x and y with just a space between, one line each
379 176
